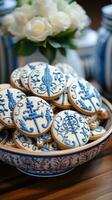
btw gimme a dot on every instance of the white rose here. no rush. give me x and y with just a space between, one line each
77 15
38 29
27 10
7 21
60 22
44 8
61 4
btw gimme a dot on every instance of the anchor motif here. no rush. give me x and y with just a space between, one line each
11 100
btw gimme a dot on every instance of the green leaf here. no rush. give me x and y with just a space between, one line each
67 33
62 51
25 47
49 53
54 43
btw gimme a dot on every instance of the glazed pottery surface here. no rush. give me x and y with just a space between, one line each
48 164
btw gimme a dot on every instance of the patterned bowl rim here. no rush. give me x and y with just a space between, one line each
67 151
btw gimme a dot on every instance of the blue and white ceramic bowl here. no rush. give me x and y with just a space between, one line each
48 164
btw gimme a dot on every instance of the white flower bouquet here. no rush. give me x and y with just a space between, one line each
46 25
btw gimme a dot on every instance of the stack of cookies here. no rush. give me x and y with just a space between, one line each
47 108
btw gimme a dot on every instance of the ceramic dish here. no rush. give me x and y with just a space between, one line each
48 164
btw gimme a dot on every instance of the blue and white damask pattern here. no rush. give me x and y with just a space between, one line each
27 71
70 129
33 116
8 99
84 96
47 82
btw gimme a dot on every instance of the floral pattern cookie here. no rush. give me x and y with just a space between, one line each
33 116
27 71
8 100
84 96
70 129
47 82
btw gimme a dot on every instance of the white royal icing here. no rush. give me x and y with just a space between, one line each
15 79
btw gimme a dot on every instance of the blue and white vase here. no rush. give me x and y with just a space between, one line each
102 70
8 60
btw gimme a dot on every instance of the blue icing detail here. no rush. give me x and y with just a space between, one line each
47 79
32 113
23 126
3 109
31 66
48 118
11 100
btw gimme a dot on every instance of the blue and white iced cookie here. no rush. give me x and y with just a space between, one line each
5 86
50 147
33 116
62 101
3 137
27 71
43 139
8 99
84 97
47 82
24 142
70 130
97 133
66 69
15 79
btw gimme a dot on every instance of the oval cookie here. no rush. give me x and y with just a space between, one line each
47 82
70 130
97 133
33 116
84 96
66 69
8 99
15 79
27 71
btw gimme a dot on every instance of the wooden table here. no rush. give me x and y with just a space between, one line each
91 181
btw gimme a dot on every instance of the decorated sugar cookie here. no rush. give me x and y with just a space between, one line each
84 96
50 147
97 133
62 101
66 69
33 116
8 99
15 79
47 82
43 139
27 71
4 86
103 114
24 142
1 127
70 130
3 137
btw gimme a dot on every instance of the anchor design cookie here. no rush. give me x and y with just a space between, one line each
97 133
33 116
84 97
8 99
70 130
4 86
47 82
43 139
27 71
62 101
15 79
66 69
3 137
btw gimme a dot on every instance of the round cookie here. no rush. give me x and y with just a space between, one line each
27 71
4 86
97 133
47 82
66 69
8 99
103 114
62 101
33 116
3 137
15 79
50 147
43 139
70 130
84 97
